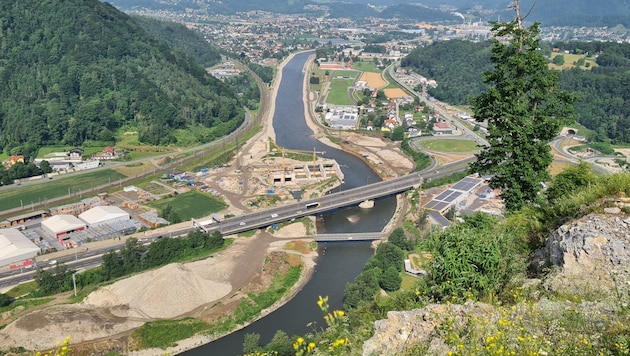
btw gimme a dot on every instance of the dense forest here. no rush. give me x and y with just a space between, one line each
603 99
78 71
456 65
181 38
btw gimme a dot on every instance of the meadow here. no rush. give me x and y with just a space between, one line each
192 204
571 59
365 66
449 145
338 92
80 185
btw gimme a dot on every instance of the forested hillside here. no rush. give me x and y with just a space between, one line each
80 70
181 38
456 65
604 101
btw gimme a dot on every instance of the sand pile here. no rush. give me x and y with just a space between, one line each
166 292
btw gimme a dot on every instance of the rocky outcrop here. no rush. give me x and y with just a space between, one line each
589 255
401 330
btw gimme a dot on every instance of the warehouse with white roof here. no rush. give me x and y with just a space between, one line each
107 214
15 247
58 226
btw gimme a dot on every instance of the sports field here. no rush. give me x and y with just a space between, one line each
394 93
366 66
373 80
449 145
338 92
345 74
82 184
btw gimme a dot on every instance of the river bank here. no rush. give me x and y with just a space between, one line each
241 277
309 263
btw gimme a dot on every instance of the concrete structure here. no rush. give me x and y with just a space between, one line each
104 215
413 271
86 165
15 248
59 226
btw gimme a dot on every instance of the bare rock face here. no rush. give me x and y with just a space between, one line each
592 254
401 330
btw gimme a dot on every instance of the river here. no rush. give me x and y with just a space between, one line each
339 262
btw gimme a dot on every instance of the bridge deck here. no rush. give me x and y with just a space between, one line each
359 236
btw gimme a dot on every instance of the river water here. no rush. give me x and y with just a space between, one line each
339 262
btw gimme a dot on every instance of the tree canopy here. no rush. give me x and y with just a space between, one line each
80 70
524 109
598 79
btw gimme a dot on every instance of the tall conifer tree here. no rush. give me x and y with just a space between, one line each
524 109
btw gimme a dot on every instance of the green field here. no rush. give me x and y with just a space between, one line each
365 66
43 151
570 59
192 204
338 93
449 145
77 184
345 74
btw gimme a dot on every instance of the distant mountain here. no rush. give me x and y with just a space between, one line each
79 70
218 7
550 13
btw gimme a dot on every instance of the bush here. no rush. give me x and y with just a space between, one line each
469 260
4 300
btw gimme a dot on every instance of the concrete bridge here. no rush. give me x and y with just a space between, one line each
350 236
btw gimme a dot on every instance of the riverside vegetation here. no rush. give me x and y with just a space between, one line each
482 294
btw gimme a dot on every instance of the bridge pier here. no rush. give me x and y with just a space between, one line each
366 204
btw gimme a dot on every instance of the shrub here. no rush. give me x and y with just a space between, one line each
472 260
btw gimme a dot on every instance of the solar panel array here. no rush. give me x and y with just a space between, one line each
467 184
439 218
448 197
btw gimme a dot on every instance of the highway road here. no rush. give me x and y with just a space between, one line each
85 259
438 107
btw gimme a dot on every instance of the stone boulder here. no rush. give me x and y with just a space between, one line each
404 329
589 255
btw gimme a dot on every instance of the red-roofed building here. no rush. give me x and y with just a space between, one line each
15 159
442 128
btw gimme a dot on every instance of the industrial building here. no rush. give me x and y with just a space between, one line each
15 248
59 226
106 214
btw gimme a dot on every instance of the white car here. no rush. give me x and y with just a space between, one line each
242 223
274 215
52 262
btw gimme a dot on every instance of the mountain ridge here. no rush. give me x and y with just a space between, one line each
556 13
80 71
